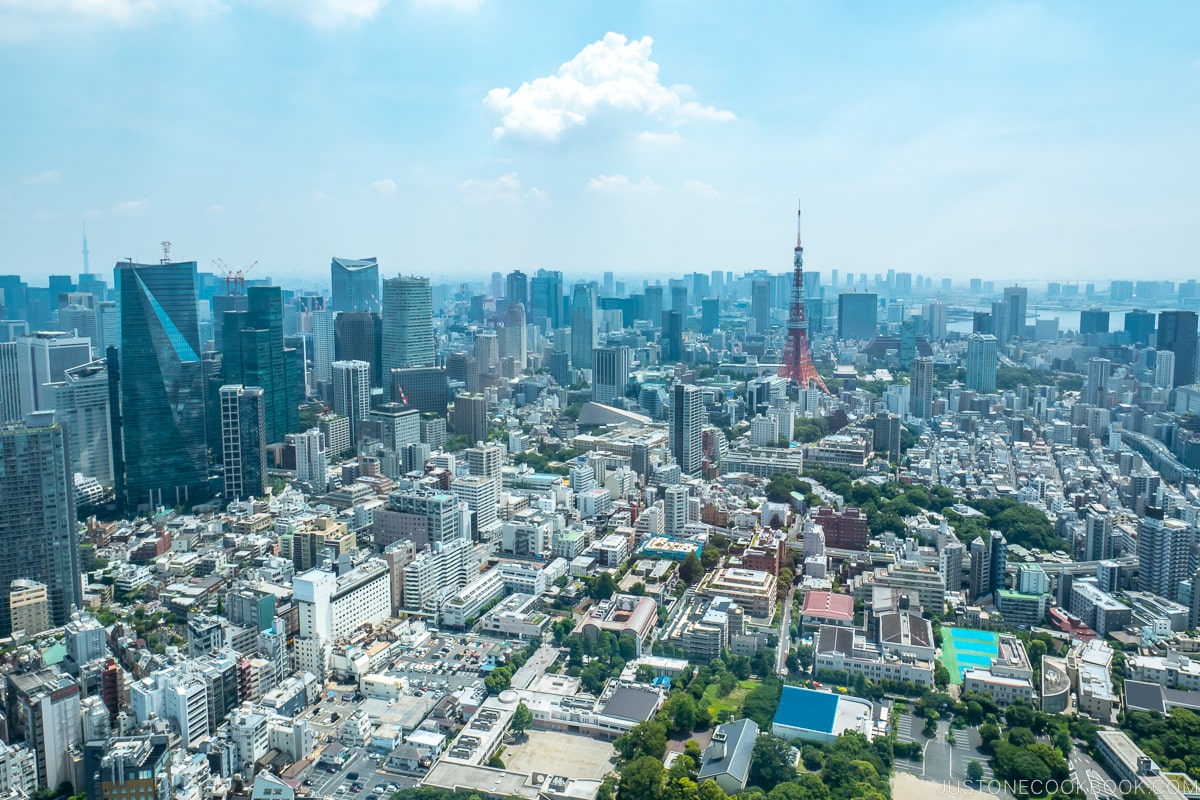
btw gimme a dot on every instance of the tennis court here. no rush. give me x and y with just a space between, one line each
966 648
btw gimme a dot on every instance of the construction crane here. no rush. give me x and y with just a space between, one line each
234 278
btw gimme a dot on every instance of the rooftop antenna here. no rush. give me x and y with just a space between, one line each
166 248
87 270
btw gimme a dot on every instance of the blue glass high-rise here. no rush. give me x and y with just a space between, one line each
162 407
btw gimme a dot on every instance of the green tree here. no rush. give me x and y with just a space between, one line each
941 675
680 709
771 762
522 718
642 779
645 674
644 739
974 771
603 588
691 569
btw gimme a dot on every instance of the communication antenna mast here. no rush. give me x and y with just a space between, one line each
166 248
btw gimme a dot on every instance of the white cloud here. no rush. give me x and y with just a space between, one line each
130 206
650 137
505 189
22 19
216 209
701 189
384 186
612 76
452 5
613 184
47 178
319 196
327 14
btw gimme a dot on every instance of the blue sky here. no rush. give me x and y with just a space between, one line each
455 137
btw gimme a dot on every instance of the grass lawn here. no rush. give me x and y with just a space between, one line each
731 702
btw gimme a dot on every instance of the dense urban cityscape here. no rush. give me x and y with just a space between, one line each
518 400
789 533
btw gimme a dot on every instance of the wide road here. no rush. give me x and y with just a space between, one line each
785 634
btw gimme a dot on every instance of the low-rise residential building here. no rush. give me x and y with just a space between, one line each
826 608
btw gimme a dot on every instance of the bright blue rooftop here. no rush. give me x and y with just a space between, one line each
808 709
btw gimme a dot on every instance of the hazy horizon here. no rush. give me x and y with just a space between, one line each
453 138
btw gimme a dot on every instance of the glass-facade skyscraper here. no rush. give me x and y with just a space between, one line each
407 323
982 357
37 528
254 355
355 284
162 398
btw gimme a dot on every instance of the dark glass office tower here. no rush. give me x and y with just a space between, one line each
37 528
253 355
358 336
546 299
1177 333
162 385
355 284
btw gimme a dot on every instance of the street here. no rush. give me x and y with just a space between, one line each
785 636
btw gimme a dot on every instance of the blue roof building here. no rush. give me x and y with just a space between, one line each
820 716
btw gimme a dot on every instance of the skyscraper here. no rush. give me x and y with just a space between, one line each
1163 550
311 458
583 325
1139 324
1093 320
512 336
352 394
43 357
920 396
407 323
1177 333
858 315
1164 369
10 382
424 388
37 528
610 372
517 287
470 417
710 314
672 336
358 336
546 299
1097 375
162 402
254 355
686 429
1016 301
760 304
981 362
243 441
355 284
652 304
935 320
324 344
82 401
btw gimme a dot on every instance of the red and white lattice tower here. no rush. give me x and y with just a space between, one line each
797 363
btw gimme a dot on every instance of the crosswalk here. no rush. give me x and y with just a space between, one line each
964 754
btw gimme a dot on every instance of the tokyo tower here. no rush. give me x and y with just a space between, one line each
797 363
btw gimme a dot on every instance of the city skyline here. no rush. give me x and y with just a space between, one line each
1011 140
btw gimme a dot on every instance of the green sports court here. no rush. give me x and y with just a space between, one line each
967 648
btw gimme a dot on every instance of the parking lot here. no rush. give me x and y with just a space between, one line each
358 777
